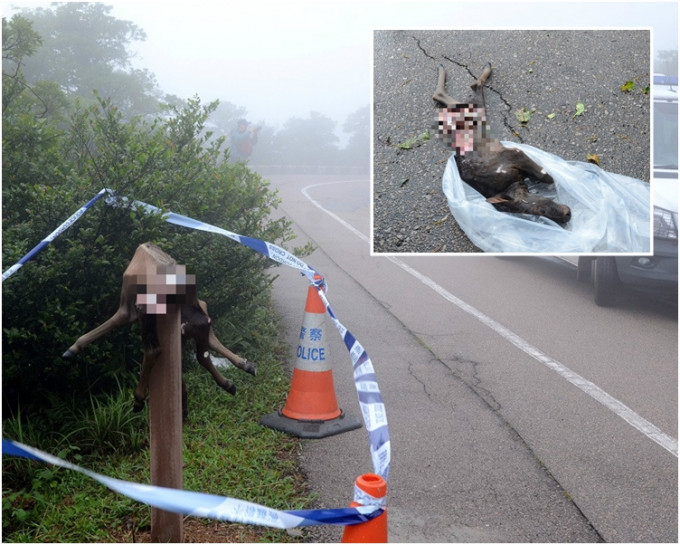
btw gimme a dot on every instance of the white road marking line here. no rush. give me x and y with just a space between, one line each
331 214
598 394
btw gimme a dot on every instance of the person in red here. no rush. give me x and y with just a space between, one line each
243 138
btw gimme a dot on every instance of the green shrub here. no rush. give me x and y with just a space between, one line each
74 284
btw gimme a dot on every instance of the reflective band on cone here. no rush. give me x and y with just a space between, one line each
311 409
369 489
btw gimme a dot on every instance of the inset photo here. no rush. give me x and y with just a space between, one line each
512 142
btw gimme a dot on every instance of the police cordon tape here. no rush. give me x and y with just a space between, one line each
54 234
212 506
368 392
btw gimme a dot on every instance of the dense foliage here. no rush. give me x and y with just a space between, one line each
53 164
82 47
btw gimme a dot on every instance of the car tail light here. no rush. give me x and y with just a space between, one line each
665 223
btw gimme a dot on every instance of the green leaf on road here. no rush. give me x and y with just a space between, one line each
523 115
628 86
415 141
580 108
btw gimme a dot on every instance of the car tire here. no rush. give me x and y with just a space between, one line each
584 271
606 281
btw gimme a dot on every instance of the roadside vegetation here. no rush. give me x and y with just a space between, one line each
226 452
60 148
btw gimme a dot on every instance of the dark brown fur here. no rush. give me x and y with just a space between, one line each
498 172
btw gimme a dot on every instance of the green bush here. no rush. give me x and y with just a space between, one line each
73 285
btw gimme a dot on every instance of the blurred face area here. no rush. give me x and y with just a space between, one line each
169 287
462 126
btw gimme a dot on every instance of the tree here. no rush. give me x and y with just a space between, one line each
307 142
43 98
85 49
358 126
19 40
73 285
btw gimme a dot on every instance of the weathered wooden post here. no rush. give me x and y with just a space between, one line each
164 294
165 423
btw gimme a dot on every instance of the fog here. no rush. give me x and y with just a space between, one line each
285 59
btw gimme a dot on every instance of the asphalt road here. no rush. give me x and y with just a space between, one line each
492 441
546 71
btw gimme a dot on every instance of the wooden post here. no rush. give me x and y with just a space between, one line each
165 423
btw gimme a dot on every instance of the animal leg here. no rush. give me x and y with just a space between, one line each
148 362
519 200
242 363
216 346
204 359
196 325
478 86
481 80
121 317
440 92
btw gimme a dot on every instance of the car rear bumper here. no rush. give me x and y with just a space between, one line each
658 271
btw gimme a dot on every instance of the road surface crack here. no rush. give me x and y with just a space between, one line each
423 49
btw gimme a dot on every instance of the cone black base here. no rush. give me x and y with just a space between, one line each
311 429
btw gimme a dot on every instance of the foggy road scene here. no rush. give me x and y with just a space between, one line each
518 409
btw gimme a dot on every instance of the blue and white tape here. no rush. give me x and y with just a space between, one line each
54 234
272 251
207 505
364 498
370 399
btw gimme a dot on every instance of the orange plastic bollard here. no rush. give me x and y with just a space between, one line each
311 410
369 489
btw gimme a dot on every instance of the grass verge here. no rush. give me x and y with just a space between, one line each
226 452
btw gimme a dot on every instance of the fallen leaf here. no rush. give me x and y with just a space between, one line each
646 90
593 158
439 222
403 182
415 140
628 86
551 116
523 116
580 108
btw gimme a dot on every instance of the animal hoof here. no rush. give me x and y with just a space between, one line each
138 405
229 387
68 355
249 367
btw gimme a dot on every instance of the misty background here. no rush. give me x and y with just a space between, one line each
301 71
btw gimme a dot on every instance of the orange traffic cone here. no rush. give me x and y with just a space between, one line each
369 489
311 410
